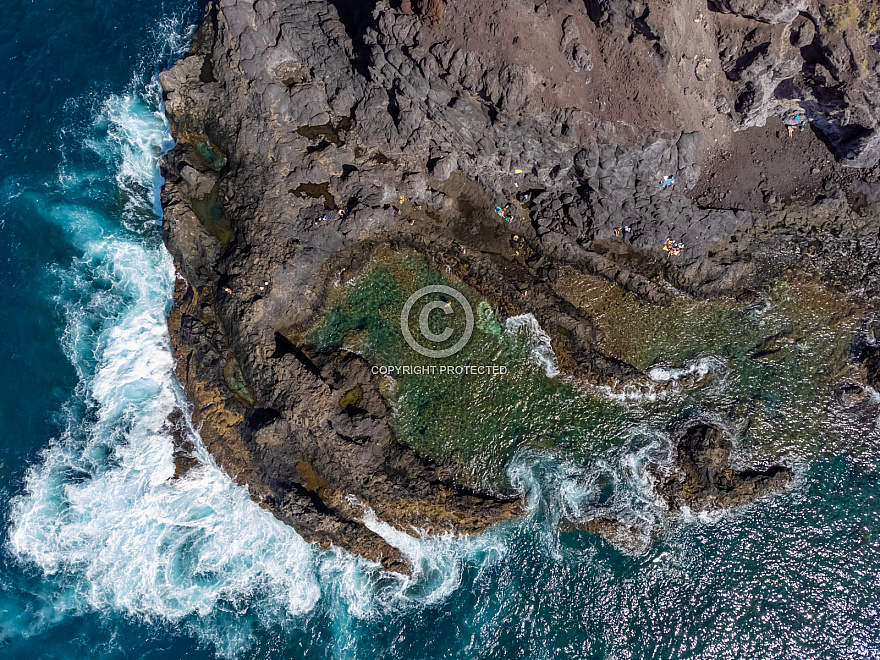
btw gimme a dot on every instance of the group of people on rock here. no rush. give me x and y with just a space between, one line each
505 212
673 247
399 211
342 213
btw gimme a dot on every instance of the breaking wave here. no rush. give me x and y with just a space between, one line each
99 514
700 368
542 353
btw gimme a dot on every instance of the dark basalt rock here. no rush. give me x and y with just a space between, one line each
624 536
769 11
574 113
184 447
869 359
704 479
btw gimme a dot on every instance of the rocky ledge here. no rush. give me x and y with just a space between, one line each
605 127
703 478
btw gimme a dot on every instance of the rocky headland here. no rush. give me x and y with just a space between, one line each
417 118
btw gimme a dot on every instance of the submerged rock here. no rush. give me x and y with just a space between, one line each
184 446
704 479
624 536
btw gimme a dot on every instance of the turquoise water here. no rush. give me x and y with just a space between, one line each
103 558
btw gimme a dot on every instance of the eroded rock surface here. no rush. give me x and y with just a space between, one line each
286 112
869 359
705 480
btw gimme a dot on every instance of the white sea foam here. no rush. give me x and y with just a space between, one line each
700 367
648 446
542 353
99 512
556 488
137 133
615 486
100 503
875 397
437 561
635 393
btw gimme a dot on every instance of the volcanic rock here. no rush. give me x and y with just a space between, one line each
704 479
869 359
286 112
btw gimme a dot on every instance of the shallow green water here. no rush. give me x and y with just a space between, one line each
475 420
773 369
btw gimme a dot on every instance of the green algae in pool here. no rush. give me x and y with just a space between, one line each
211 154
781 358
209 211
775 366
474 421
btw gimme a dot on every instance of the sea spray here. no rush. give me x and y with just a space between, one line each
614 486
99 513
699 367
99 506
542 353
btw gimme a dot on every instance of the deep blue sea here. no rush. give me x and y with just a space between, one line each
102 557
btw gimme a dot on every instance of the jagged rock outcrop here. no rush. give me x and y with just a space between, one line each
869 359
704 480
815 60
287 112
769 11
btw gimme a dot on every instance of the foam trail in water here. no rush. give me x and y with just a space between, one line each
100 503
635 392
700 367
616 486
99 513
542 353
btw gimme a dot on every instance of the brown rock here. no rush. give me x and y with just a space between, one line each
704 479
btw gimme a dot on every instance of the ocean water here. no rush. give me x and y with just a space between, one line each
102 557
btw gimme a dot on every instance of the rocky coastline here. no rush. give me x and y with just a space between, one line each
417 118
